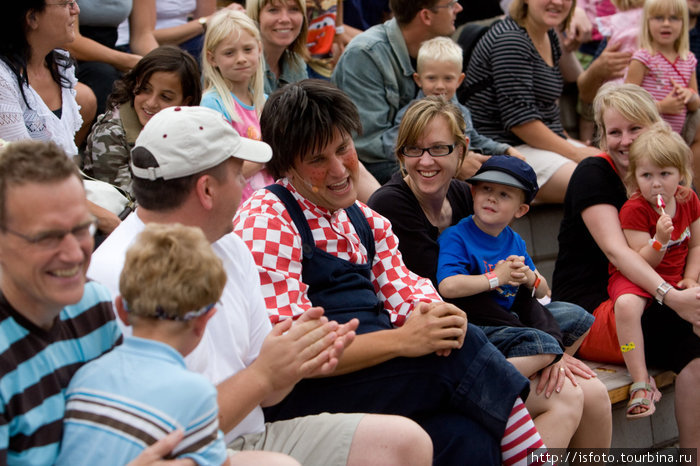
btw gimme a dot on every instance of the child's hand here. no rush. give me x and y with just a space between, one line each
686 283
685 93
664 227
518 270
672 103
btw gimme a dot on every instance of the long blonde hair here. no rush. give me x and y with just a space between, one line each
223 25
670 7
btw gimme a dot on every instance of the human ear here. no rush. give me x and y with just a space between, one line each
121 310
522 210
416 78
460 79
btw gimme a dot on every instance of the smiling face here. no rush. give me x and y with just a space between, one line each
440 78
280 23
328 176
653 180
548 13
496 205
237 57
620 133
427 175
35 277
162 90
54 26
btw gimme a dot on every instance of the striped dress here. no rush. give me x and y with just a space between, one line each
657 80
510 84
36 366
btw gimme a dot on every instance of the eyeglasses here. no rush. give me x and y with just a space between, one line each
662 19
71 4
52 239
451 5
440 150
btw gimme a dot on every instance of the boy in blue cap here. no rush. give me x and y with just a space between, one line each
482 254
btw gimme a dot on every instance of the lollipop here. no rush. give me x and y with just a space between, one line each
660 202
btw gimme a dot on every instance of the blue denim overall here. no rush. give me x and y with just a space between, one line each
463 401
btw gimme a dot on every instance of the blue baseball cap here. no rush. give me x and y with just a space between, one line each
510 171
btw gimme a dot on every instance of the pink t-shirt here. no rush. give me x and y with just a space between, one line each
622 28
658 79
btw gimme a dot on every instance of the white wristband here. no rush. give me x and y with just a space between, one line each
340 29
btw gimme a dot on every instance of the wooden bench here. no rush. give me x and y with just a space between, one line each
617 380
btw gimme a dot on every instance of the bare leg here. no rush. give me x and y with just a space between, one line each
558 416
88 108
595 428
367 184
628 315
407 445
553 191
253 458
688 406
530 365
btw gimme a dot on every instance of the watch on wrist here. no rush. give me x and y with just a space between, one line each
203 22
661 292
493 279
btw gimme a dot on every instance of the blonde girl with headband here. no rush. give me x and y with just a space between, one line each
232 69
664 64
661 222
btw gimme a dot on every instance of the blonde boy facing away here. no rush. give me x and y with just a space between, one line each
439 73
127 399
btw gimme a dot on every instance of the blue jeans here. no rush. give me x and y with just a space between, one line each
573 320
463 401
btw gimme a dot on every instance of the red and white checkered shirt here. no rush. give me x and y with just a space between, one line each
269 232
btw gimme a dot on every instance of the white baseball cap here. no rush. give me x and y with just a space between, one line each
188 140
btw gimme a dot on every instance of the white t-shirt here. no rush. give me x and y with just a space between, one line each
169 13
234 334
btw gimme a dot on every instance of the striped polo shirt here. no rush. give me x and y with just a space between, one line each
36 366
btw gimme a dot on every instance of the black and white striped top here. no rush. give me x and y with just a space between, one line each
510 84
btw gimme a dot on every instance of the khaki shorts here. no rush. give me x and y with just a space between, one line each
544 162
323 439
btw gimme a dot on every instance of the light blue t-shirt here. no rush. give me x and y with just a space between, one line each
128 399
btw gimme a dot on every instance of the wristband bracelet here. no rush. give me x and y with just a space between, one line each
538 280
340 29
493 279
657 245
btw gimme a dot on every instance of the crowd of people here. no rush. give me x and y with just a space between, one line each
321 271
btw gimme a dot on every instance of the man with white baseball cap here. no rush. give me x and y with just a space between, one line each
186 167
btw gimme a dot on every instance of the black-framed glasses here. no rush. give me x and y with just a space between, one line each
52 239
439 150
71 4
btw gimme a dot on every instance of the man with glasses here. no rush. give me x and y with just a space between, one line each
52 321
376 71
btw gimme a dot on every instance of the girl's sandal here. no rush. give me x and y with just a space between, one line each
648 401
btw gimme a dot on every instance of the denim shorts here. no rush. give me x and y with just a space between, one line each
573 320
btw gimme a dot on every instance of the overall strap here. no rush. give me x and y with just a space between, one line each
359 221
307 240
